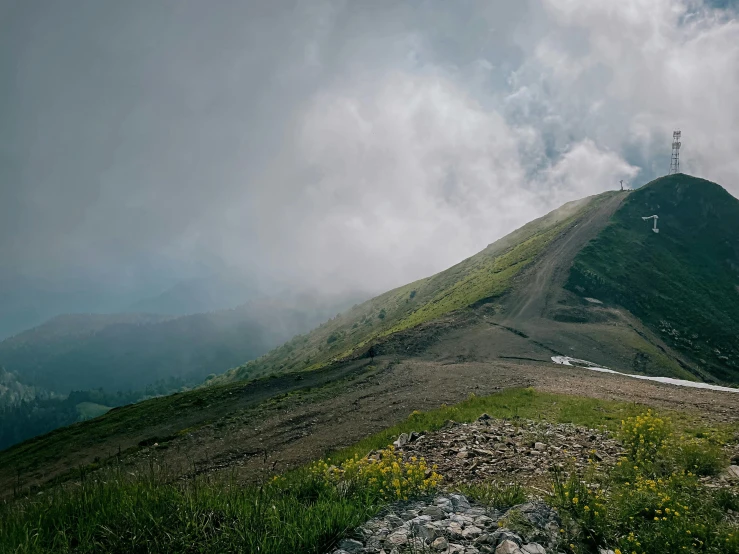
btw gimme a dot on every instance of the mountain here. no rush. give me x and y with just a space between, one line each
131 351
589 280
479 281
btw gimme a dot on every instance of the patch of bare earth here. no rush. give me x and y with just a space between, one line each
290 433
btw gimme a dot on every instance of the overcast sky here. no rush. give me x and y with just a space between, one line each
342 144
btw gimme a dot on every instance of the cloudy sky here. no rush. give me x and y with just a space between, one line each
336 144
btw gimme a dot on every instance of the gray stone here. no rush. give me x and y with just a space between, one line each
503 535
393 521
475 511
533 548
508 547
484 521
426 532
484 538
401 441
351 546
398 537
440 544
540 446
471 532
457 518
733 472
454 530
434 512
459 502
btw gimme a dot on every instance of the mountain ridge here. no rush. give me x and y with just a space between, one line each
526 278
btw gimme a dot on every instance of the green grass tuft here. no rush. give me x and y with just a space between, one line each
495 494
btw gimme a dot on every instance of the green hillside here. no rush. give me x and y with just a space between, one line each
682 282
479 279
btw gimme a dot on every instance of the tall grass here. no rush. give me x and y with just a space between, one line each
122 513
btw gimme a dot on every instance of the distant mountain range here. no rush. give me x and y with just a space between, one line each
131 351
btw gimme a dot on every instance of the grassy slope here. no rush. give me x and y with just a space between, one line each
156 512
683 282
481 278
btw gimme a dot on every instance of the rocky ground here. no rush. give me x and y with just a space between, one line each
519 451
487 450
450 524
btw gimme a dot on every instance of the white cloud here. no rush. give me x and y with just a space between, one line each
399 179
347 144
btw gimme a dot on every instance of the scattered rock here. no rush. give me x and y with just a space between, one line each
434 511
351 546
508 547
450 524
470 453
402 440
471 532
489 448
733 472
440 544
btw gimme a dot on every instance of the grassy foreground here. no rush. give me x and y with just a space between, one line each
653 500
302 511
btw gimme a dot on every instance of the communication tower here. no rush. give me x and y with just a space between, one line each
675 161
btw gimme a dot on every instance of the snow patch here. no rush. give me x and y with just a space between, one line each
593 300
566 360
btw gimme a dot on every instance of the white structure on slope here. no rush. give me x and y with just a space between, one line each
655 217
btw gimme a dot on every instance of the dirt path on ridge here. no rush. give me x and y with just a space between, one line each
544 280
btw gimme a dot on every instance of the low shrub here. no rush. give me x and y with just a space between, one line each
699 456
383 474
644 435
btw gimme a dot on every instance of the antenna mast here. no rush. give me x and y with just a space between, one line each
675 161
